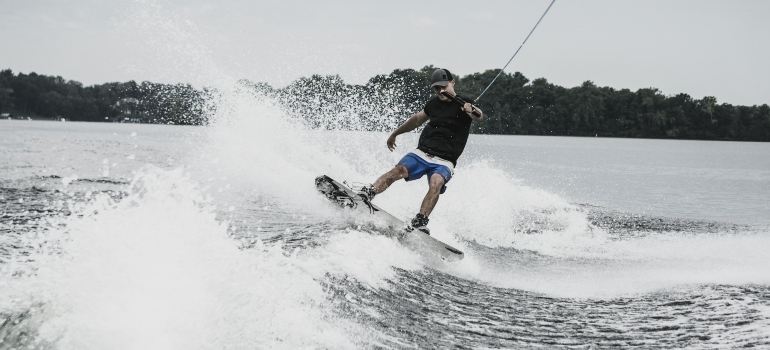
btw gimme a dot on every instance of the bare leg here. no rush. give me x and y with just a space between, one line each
431 198
397 173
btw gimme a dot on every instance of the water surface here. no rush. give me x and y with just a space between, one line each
157 236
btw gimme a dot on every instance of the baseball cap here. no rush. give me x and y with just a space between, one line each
441 77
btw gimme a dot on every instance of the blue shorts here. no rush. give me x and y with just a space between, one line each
418 166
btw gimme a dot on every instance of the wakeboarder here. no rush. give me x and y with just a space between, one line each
441 143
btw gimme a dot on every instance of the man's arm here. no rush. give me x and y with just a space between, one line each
468 109
410 124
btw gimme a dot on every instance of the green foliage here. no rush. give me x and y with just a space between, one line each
49 97
513 105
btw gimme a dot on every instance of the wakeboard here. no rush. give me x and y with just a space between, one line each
417 240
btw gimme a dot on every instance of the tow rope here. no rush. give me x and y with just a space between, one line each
514 54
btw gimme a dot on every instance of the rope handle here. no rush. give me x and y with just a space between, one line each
459 100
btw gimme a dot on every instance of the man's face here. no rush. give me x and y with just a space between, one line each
449 88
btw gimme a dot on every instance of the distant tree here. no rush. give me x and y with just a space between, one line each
513 105
6 102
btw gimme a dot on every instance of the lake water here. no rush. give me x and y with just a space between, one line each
701 180
157 236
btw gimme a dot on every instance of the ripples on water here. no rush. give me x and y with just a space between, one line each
320 279
148 236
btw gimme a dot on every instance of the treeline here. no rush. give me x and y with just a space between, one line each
516 105
48 97
513 105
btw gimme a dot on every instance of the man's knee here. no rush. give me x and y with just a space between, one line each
400 171
436 181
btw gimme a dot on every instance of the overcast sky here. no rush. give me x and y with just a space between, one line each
717 48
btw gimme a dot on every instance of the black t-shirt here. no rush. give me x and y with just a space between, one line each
447 131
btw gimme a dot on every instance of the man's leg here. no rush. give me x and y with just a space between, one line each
431 198
397 173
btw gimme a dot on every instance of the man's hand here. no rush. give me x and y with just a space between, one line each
392 142
468 109
410 124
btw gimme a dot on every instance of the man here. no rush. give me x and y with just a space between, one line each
441 143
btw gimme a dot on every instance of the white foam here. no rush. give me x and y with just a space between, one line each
261 149
631 267
491 208
157 270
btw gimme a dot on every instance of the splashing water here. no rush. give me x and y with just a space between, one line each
233 248
157 270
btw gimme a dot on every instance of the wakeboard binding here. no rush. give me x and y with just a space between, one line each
414 235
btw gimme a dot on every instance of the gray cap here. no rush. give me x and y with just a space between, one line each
441 77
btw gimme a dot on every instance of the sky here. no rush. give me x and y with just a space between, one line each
703 47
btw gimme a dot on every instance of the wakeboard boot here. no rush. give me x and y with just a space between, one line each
420 223
367 192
